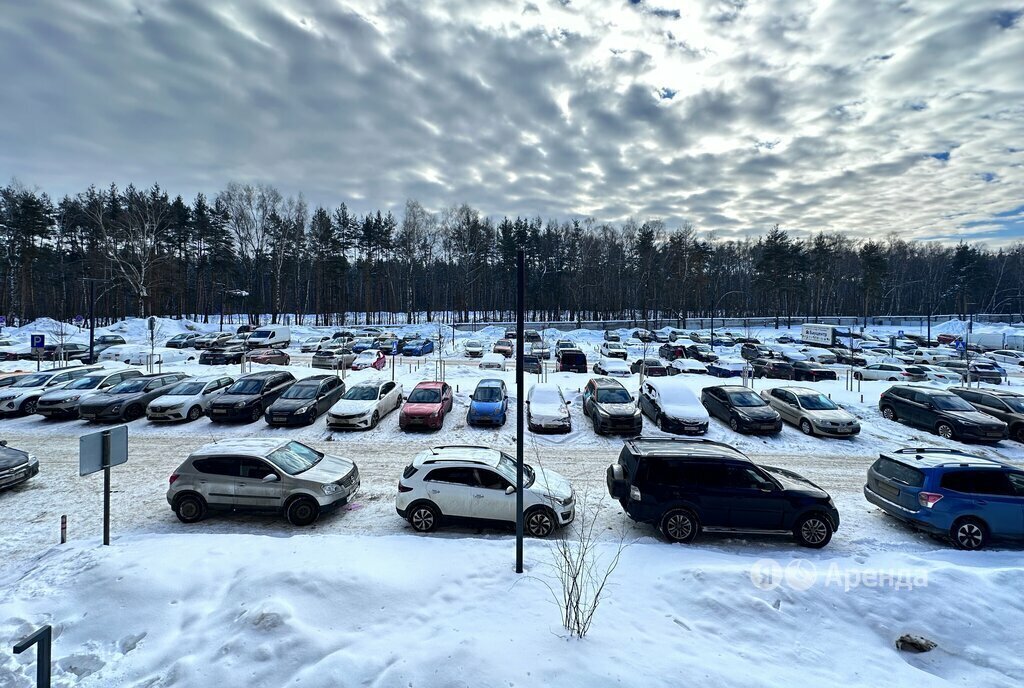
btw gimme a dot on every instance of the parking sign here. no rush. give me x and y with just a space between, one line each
38 341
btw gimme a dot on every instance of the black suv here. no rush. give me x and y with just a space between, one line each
701 352
532 364
743 409
685 486
812 372
222 355
1005 405
940 411
570 361
249 395
305 401
611 408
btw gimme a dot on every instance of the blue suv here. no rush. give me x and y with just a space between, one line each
967 498
489 403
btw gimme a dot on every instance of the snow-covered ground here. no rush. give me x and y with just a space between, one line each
357 599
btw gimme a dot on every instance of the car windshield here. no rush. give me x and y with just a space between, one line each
507 468
615 345
487 394
950 402
472 343
416 342
702 347
747 398
914 370
32 381
301 391
1015 403
260 334
429 395
369 355
652 363
186 388
294 458
545 396
361 393
254 386
178 337
87 382
816 402
129 386
613 396
313 340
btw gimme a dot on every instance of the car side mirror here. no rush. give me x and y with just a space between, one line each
768 487
511 489
3 443
568 403
270 478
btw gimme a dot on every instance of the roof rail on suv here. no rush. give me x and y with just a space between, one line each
681 441
933 450
433 450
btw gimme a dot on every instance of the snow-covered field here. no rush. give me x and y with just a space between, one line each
358 599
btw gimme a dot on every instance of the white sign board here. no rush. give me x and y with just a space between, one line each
90 449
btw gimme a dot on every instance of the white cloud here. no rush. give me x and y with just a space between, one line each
732 114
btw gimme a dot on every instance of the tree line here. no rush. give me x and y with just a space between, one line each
249 249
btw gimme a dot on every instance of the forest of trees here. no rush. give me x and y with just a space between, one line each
251 250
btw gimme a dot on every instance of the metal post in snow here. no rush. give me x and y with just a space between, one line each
41 639
520 394
106 487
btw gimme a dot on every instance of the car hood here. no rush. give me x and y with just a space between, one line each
106 399
547 412
19 391
289 405
58 394
838 415
353 406
758 412
171 400
412 409
683 411
9 458
795 482
627 409
485 406
328 470
232 399
550 483
974 417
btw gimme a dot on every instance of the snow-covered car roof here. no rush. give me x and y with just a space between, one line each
689 364
252 446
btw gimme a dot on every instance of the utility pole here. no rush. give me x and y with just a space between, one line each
520 394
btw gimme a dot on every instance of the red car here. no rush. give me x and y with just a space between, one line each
426 406
370 358
269 357
505 347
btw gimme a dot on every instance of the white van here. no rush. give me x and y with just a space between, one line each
492 361
270 337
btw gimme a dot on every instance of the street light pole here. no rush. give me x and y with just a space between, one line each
520 391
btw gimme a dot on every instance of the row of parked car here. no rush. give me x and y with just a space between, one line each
684 488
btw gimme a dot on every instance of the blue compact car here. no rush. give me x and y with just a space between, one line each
489 405
969 499
419 347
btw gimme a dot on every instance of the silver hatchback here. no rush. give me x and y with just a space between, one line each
268 475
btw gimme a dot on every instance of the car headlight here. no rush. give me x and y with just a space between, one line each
72 398
115 408
240 404
33 460
301 410
330 488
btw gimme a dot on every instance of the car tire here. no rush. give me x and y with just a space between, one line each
504 418
424 517
194 413
133 412
945 431
889 413
1017 433
662 423
540 522
257 413
806 427
680 525
302 511
893 379
374 420
190 508
734 424
311 417
858 376
813 530
29 407
969 534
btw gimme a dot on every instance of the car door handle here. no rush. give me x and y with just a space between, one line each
478 496
981 502
435 492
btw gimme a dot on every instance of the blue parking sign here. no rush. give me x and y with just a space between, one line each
900 334
38 341
960 345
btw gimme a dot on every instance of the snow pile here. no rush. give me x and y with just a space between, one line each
243 610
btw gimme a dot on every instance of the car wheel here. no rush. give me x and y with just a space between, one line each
1018 433
424 518
302 512
662 423
190 508
133 412
374 419
503 419
945 431
29 407
257 413
734 424
311 417
680 525
540 522
858 376
813 530
893 379
806 427
194 413
969 534
888 413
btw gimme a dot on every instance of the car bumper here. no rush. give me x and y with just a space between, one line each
929 521
551 426
100 416
417 423
285 420
342 496
620 426
350 423
754 427
679 427
167 416
58 411
980 435
221 415
17 476
485 420
828 431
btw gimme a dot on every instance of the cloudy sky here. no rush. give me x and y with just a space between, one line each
865 116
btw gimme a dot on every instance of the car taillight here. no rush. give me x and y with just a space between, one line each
928 499
174 476
403 488
905 374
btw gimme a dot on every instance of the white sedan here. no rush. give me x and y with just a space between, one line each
613 350
939 374
363 405
161 355
547 410
1014 358
188 399
612 367
313 344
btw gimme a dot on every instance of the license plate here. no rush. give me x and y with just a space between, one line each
219 411
279 419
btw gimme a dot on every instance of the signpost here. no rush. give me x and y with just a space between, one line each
37 342
78 321
98 451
